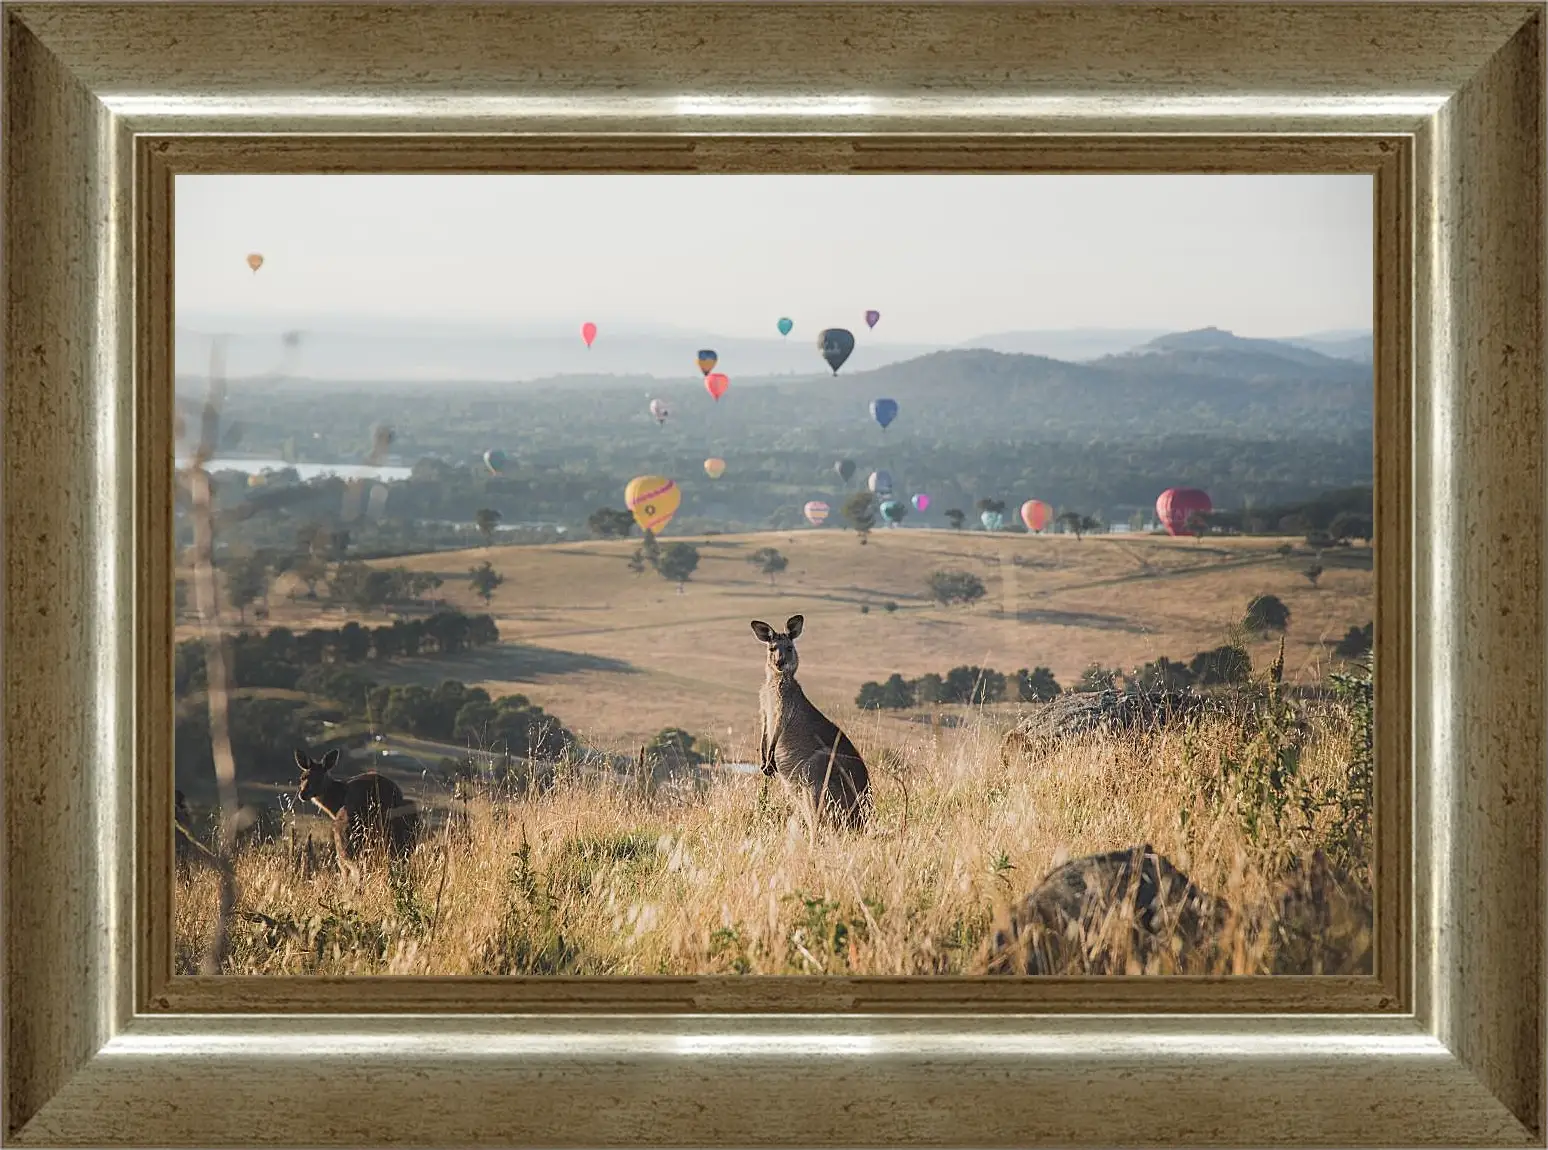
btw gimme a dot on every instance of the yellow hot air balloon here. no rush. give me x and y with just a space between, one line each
715 468
653 500
255 261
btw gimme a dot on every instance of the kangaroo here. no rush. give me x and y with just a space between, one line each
368 811
798 741
1067 924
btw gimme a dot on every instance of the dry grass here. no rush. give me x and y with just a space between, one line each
597 877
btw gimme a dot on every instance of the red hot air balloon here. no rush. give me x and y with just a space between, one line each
716 384
588 332
1179 504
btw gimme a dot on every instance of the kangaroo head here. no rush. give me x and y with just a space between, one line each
314 773
782 653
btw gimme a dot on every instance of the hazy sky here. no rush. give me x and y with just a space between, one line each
943 258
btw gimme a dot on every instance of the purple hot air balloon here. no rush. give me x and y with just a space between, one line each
871 317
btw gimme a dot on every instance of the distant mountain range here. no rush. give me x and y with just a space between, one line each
422 352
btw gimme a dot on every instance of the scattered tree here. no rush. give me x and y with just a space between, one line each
485 579
247 580
1348 525
1226 664
1197 524
1313 573
610 523
1355 643
637 562
1266 613
677 563
1036 686
955 516
650 550
948 587
860 510
769 561
487 519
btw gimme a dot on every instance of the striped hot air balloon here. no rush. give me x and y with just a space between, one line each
816 511
653 500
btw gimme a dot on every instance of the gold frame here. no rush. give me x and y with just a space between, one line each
1443 103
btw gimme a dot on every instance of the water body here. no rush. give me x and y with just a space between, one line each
309 471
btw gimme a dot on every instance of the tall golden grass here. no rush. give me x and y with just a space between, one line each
609 877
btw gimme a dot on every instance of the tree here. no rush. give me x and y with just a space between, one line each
311 570
1036 686
650 550
769 561
247 580
1197 525
610 523
929 688
860 510
1097 678
973 685
1266 613
1313 573
1355 643
948 587
896 694
1348 525
637 562
1163 675
674 747
1073 521
678 562
487 519
955 516
1227 664
484 579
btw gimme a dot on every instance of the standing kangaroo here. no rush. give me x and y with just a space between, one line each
368 811
798 741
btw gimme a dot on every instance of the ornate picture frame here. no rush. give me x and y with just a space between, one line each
1442 104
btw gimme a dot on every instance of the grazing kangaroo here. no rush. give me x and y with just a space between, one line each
1134 910
367 812
798 741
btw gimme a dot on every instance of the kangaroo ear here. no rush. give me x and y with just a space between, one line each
302 761
330 760
793 625
763 630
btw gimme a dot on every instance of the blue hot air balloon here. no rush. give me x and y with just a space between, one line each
785 324
884 411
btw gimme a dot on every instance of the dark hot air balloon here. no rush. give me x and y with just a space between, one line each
1177 505
884 411
871 317
845 469
835 343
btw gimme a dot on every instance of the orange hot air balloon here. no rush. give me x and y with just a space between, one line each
255 261
715 468
716 384
1036 514
588 332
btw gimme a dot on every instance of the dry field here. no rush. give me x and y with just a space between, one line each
596 878
619 656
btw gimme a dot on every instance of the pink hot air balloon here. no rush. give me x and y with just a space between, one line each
816 511
921 502
871 317
1179 504
1036 514
588 332
716 385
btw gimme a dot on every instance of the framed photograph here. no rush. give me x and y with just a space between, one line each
774 574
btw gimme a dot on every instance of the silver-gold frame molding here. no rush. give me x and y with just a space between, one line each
1442 103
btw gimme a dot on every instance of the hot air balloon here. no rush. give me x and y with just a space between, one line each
884 411
992 520
255 261
653 500
494 459
716 385
588 332
892 511
1177 505
707 360
835 343
785 324
659 410
715 468
1036 514
880 482
816 511
845 469
921 502
871 317
257 479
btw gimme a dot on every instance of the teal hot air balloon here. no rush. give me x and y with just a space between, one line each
992 520
785 324
494 459
893 511
835 343
884 411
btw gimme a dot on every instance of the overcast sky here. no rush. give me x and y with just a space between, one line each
943 258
